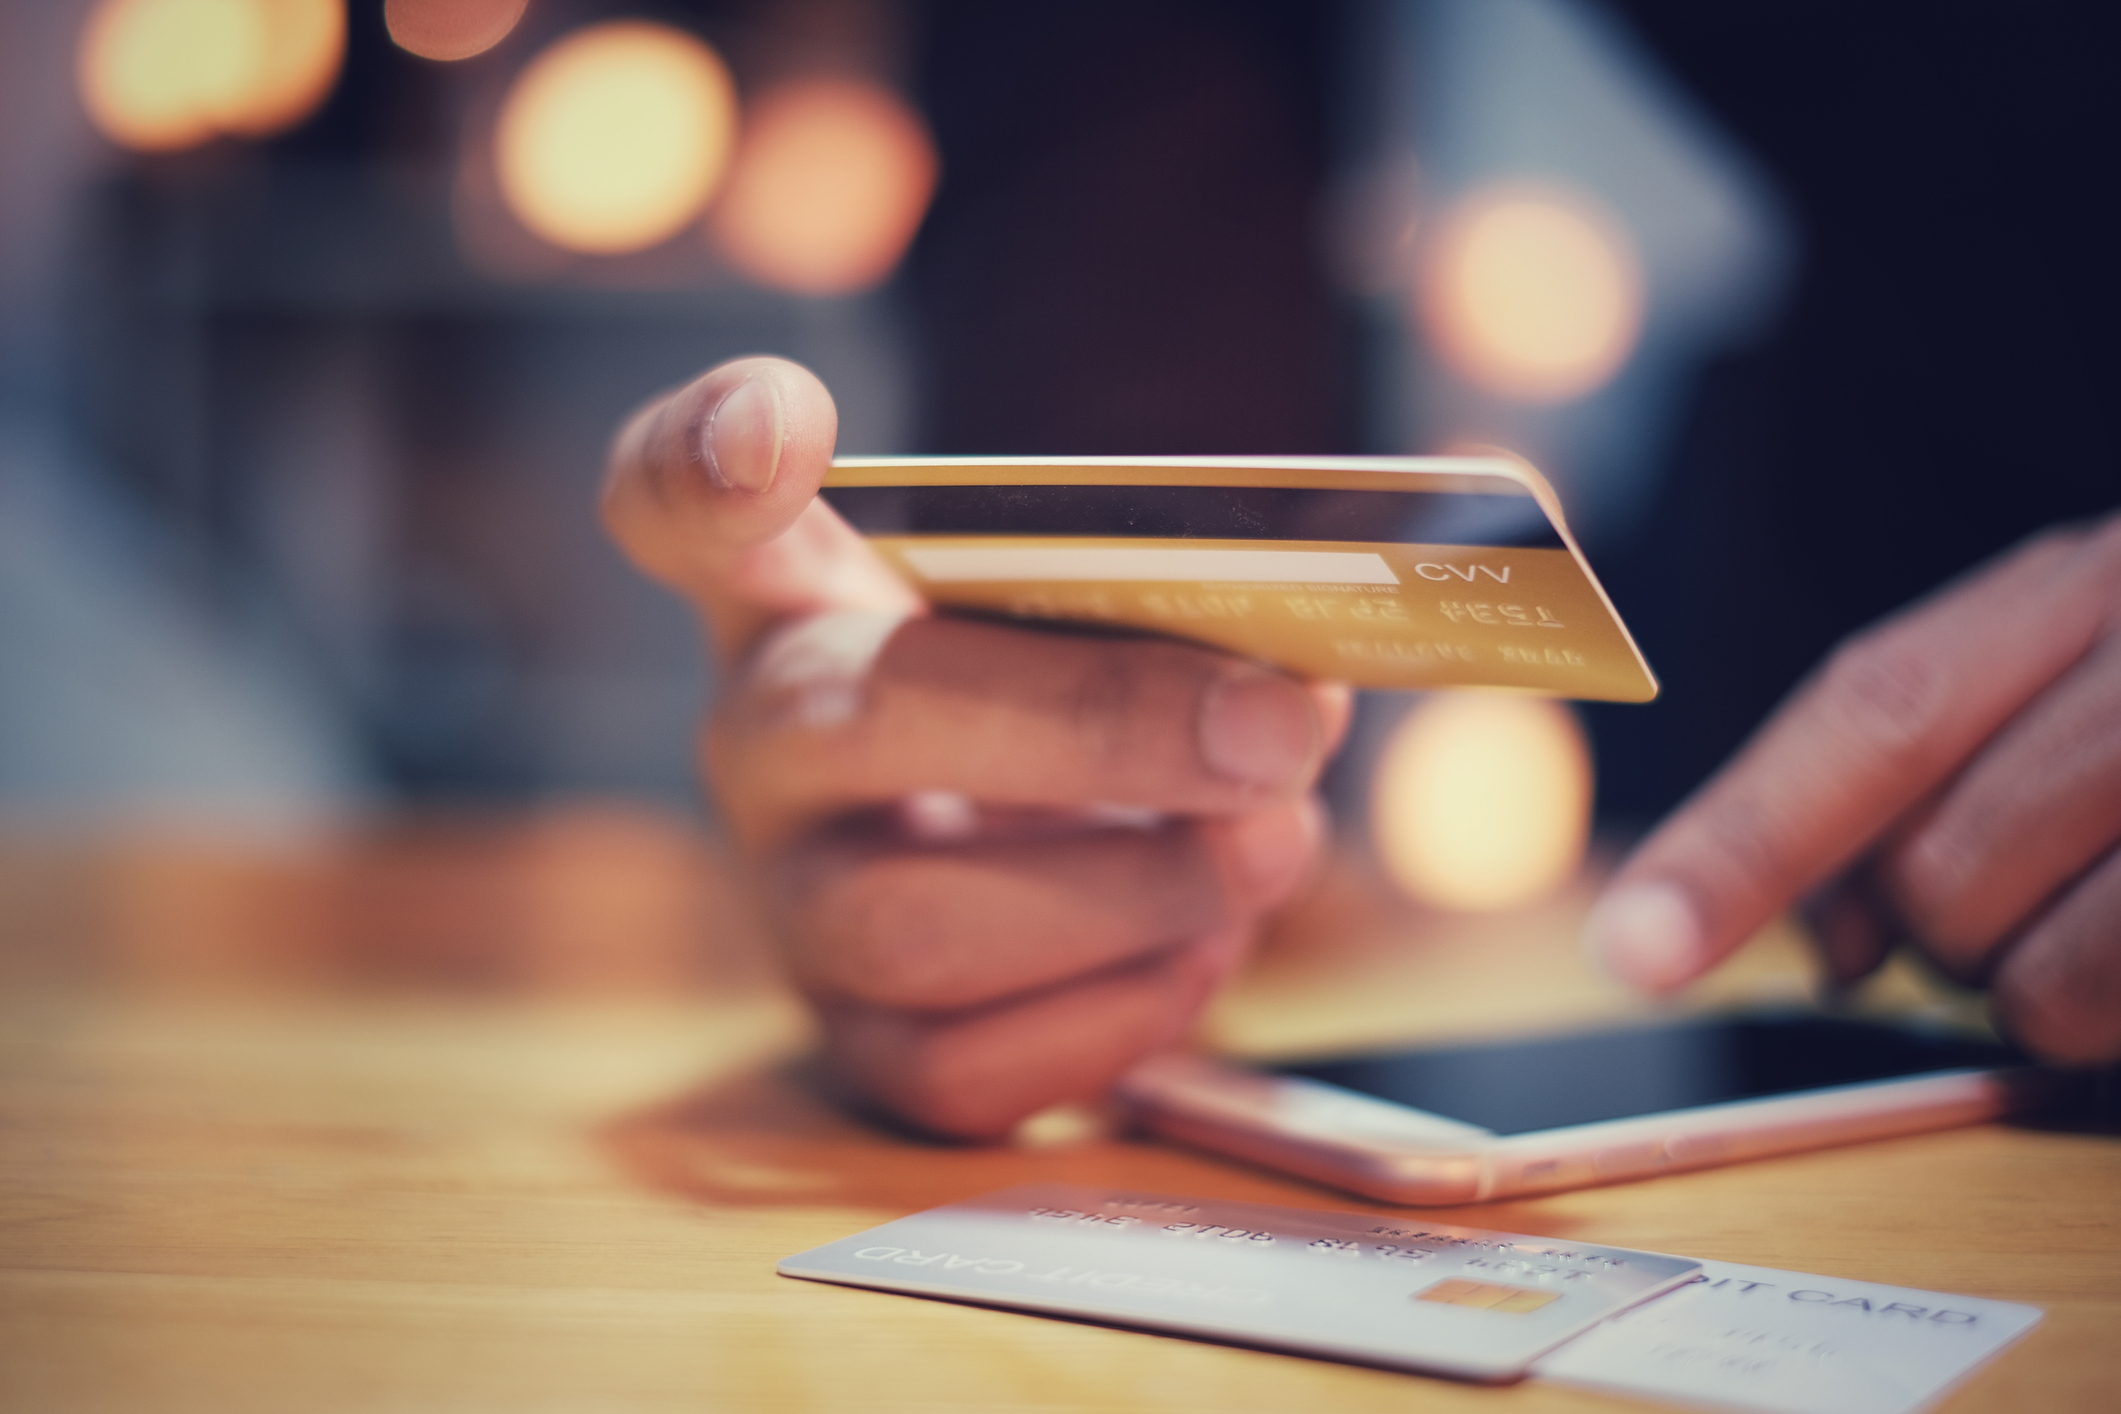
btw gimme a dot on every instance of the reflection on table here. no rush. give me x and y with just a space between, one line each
512 1111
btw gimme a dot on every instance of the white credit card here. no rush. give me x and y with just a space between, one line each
1761 1340
1405 1293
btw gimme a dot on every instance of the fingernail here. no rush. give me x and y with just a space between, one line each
1261 729
742 437
1646 935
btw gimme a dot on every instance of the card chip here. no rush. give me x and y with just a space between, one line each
1488 1296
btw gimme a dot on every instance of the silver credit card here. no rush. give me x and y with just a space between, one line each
1404 1293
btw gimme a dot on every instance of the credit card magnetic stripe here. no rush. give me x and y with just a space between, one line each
1392 573
1198 513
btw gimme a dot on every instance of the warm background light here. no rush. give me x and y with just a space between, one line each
159 75
1482 800
614 137
450 29
305 42
1531 292
830 183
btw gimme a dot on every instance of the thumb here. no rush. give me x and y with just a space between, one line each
712 490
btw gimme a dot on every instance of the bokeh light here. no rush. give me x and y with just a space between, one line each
830 184
1482 800
160 75
450 29
305 42
1531 292
614 137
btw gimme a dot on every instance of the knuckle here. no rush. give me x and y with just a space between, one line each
815 673
939 929
796 732
880 933
1928 876
1954 891
1745 849
935 1073
2061 1022
2058 990
942 1086
1105 703
1884 694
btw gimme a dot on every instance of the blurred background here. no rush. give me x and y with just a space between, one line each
315 318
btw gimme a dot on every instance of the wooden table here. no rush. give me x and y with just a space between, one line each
466 1116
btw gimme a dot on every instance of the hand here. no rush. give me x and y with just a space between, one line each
1950 778
1005 863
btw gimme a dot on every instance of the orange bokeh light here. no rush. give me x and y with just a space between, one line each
1482 800
305 41
159 75
450 29
1531 292
830 184
615 137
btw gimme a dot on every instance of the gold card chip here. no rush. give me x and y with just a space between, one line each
1488 1296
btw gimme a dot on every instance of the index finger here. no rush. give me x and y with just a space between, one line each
1890 716
712 489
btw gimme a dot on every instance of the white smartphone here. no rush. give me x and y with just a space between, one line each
1471 1123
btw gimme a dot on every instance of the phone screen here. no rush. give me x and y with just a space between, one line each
1518 1087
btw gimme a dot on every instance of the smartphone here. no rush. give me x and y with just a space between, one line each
1473 1123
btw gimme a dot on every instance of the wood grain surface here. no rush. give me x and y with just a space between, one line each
510 1115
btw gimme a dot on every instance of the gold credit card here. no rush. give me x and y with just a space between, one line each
1400 572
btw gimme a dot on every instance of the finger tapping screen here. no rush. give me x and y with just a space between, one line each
1383 572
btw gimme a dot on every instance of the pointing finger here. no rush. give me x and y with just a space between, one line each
1891 716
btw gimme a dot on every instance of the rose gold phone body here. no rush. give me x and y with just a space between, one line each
1395 1154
